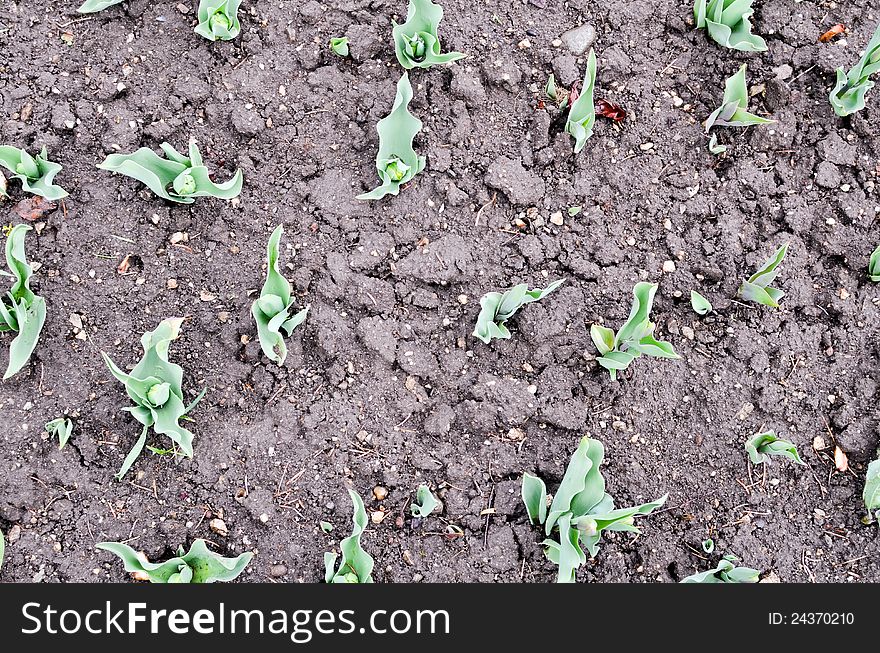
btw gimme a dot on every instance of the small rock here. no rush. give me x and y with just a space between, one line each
171 284
556 218
380 493
818 443
277 571
377 516
579 39
219 526
669 266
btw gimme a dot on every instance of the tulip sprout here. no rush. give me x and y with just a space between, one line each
871 493
416 43
733 110
636 336
339 45
35 173
763 445
757 288
725 572
581 510
848 95
727 22
496 308
700 304
356 565
61 428
271 311
874 265
397 161
21 310
154 386
582 114
425 502
177 178
91 6
199 565
218 19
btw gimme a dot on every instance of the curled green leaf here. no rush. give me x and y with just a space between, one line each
757 288
397 161
425 502
700 304
91 6
154 385
199 565
177 178
356 565
733 111
339 45
36 173
708 546
60 428
714 147
582 115
218 19
725 572
763 445
271 311
534 496
496 308
416 43
874 265
848 94
728 24
326 526
871 493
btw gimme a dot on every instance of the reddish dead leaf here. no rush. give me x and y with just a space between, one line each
34 208
834 31
840 460
541 104
610 110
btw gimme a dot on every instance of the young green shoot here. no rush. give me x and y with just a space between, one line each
636 336
582 115
871 493
708 546
580 511
154 385
397 161
199 565
757 288
725 572
700 304
848 94
416 43
91 6
763 445
496 308
356 565
733 111
21 311
36 173
271 311
425 502
339 46
325 526
218 19
176 178
874 265
728 24
61 428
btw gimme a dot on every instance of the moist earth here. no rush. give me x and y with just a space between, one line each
384 384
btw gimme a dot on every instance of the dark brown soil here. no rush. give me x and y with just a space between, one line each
384 384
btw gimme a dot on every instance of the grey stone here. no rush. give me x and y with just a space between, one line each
579 39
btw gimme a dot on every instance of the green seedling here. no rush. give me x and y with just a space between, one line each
197 566
425 502
21 310
218 19
874 265
871 493
848 94
356 565
397 161
154 386
559 95
763 445
177 178
91 6
416 43
636 336
496 308
326 526
700 304
271 311
339 45
582 115
158 451
728 24
733 110
757 288
36 173
61 428
581 510
725 572
708 546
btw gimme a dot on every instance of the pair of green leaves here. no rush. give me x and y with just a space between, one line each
581 510
725 572
733 111
21 310
356 565
397 161
727 22
496 308
416 43
154 386
871 493
218 19
757 288
425 502
177 178
874 265
339 46
60 428
582 115
199 565
36 173
271 311
763 445
848 94
636 336
91 6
